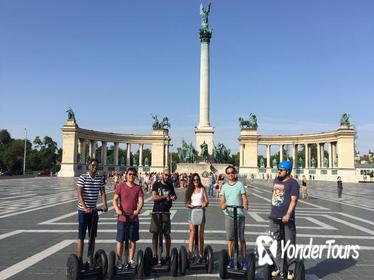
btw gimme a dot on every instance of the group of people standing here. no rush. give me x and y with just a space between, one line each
128 201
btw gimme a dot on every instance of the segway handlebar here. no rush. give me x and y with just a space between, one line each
159 212
275 219
234 206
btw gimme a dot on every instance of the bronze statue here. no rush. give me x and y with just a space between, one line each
164 124
251 123
220 153
186 153
71 115
344 120
204 13
204 150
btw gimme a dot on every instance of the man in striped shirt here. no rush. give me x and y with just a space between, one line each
88 187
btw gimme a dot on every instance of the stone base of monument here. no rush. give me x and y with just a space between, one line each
202 168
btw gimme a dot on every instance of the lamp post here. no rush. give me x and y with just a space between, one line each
24 154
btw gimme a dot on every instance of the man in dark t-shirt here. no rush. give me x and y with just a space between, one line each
282 222
163 195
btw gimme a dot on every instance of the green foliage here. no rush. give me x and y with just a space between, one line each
44 156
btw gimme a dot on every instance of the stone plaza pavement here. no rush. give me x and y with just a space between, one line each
38 227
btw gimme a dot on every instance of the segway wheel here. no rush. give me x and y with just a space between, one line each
139 264
111 265
299 271
267 272
251 259
174 262
223 264
183 261
208 256
101 262
147 261
72 268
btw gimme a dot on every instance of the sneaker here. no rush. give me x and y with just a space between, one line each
119 265
131 265
275 273
244 265
167 260
155 260
290 275
230 264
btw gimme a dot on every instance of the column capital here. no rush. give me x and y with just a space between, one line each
205 35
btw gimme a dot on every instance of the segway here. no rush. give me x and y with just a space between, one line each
138 271
237 270
194 263
162 265
96 266
299 273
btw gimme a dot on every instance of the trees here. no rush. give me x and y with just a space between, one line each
43 156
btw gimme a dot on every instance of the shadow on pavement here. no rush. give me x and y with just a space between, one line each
330 266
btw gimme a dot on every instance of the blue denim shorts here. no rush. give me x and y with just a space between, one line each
85 221
133 231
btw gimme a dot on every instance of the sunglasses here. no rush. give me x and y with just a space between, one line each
131 174
230 173
196 180
281 170
166 175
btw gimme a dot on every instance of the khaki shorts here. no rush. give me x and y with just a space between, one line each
163 225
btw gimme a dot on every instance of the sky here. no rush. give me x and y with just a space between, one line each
298 65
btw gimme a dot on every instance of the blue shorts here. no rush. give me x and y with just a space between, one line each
85 221
133 231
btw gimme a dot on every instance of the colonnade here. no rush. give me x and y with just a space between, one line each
339 144
76 141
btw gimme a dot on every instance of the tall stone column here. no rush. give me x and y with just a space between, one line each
319 165
268 156
309 155
306 150
204 131
330 155
241 155
116 146
294 148
280 152
141 154
103 152
81 150
166 149
128 155
92 149
333 154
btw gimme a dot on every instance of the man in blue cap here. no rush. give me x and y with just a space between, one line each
282 222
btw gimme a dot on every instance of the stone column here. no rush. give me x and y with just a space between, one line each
204 132
92 149
280 152
309 155
103 152
306 149
294 147
319 165
241 155
116 146
333 154
141 154
268 156
330 156
166 149
80 150
83 153
128 155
